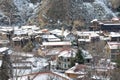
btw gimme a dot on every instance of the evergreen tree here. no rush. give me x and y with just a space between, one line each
79 59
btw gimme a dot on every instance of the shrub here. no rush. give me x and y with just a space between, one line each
28 47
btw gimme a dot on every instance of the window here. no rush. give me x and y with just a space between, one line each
113 56
69 66
64 65
114 51
68 59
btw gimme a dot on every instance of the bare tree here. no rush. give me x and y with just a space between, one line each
6 68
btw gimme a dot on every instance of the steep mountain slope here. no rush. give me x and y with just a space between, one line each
17 12
115 3
79 10
7 11
41 12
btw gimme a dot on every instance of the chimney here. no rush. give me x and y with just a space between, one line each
76 64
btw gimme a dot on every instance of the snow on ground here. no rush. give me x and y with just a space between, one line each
35 65
45 76
27 4
26 8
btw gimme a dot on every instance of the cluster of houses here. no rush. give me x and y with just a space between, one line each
55 48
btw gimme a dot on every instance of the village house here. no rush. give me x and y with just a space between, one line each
102 69
24 34
114 37
30 27
94 25
4 43
64 59
56 44
112 25
70 37
86 56
104 36
42 76
5 62
60 33
25 63
112 49
77 72
6 32
56 32
87 37
110 36
50 38
4 50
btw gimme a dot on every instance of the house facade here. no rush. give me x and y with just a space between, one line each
64 59
112 49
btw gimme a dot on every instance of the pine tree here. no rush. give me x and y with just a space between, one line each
79 59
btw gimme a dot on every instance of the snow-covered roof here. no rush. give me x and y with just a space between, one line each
114 45
52 40
112 24
59 32
66 33
86 40
77 69
88 33
23 54
30 30
10 51
49 36
20 32
115 19
114 34
3 49
5 29
44 76
56 43
54 51
20 72
94 20
33 27
86 54
38 32
4 41
22 64
17 38
67 53
40 62
96 77
56 31
94 35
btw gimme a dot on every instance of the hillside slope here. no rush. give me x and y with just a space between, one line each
70 11
42 12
